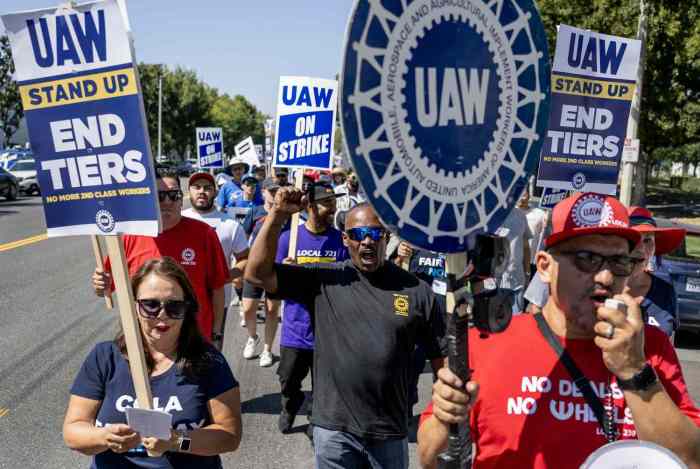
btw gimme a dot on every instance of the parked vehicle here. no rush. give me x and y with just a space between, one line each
25 172
682 268
9 188
185 168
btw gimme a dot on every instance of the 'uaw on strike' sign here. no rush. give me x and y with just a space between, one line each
210 147
85 119
593 80
443 105
305 122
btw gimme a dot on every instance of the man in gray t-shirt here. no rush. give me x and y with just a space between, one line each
517 272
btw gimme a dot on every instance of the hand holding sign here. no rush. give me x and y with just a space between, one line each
288 201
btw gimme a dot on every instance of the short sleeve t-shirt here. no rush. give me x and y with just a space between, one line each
516 230
530 414
233 239
366 327
195 246
297 331
105 377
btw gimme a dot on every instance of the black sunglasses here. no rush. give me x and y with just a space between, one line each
591 262
361 232
174 309
174 195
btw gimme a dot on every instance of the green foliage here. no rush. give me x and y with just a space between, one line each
10 103
189 103
239 119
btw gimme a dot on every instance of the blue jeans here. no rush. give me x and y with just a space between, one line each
341 450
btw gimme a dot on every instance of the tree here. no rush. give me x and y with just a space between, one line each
239 119
11 111
670 108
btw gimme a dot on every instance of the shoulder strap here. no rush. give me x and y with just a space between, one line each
579 378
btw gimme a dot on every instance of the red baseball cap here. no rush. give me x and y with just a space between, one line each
202 175
589 213
666 239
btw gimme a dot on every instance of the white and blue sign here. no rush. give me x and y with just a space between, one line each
79 89
444 105
305 123
550 197
210 147
593 83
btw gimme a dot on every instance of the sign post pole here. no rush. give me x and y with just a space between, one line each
99 262
294 225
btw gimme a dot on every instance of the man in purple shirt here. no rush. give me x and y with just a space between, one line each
317 241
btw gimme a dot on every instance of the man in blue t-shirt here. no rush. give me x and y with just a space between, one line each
317 241
239 203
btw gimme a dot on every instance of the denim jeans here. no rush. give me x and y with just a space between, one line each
341 450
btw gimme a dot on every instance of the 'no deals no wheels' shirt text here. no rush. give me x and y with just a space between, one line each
530 414
312 248
105 377
366 328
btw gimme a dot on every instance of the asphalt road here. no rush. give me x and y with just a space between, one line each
50 320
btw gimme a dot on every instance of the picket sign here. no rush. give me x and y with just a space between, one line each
99 263
129 320
294 226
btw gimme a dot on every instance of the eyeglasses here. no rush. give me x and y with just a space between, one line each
174 309
361 232
591 262
174 195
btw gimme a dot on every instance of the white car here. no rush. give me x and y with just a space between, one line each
25 172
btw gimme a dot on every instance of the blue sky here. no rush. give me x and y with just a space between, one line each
236 46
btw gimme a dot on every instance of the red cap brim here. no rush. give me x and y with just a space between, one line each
667 239
627 233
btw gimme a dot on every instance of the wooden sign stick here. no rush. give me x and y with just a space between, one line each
99 262
130 323
294 226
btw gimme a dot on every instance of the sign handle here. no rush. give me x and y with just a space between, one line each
99 262
294 226
458 454
130 323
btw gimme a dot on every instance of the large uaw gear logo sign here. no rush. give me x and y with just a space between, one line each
443 108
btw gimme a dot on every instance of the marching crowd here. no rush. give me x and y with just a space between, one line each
362 311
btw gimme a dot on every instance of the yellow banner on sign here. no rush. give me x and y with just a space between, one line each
595 88
79 89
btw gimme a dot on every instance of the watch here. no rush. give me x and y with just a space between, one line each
183 443
640 381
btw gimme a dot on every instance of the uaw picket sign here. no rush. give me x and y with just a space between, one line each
443 106
80 94
210 147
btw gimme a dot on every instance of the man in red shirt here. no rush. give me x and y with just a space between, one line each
193 244
530 411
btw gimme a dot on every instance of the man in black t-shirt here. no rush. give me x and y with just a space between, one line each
368 315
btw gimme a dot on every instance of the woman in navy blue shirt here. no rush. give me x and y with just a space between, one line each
656 296
189 379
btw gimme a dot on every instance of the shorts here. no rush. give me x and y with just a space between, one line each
252 292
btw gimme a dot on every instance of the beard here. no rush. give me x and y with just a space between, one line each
203 205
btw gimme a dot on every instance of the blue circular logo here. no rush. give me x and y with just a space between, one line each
443 106
578 181
105 221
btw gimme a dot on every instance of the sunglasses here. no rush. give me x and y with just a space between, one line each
174 309
376 233
174 195
591 262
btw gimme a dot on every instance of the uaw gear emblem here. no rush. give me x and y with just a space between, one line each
105 221
592 210
444 105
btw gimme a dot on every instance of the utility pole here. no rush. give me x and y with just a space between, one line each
160 110
635 111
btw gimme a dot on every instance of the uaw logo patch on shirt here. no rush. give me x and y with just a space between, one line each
401 305
188 256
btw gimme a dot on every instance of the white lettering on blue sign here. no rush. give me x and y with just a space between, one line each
462 100
61 48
